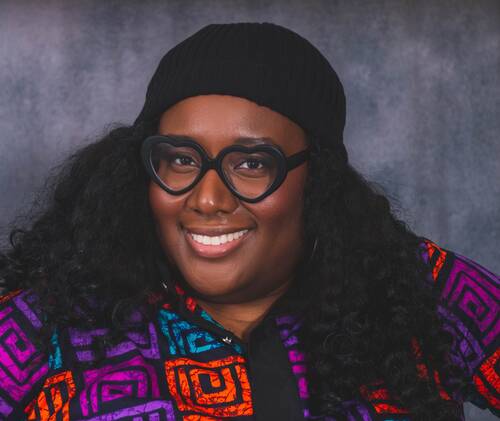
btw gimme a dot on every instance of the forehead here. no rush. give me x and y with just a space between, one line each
216 121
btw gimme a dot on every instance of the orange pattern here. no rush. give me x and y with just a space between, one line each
188 301
423 372
231 396
52 390
487 369
379 397
431 249
7 297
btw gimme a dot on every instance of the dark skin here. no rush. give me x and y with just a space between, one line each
238 288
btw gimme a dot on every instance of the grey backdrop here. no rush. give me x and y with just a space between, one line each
422 81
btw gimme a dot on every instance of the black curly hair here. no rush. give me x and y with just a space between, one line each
92 234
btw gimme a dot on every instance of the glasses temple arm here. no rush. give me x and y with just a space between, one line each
296 159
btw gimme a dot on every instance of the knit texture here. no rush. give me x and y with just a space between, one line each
263 62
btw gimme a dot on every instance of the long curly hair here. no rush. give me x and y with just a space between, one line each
368 303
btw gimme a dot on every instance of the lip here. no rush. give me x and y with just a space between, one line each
213 231
214 251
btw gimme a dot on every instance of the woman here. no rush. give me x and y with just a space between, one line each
279 286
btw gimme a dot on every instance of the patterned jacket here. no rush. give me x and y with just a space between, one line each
186 366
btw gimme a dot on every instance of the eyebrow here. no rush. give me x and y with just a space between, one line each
254 141
246 141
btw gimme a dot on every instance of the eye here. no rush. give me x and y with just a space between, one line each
182 160
252 164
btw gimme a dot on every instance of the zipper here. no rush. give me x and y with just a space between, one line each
224 335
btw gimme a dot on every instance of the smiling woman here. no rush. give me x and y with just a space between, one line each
221 259
272 228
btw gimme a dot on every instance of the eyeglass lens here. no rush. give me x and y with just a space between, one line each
250 174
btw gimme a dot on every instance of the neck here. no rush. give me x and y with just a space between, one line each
242 318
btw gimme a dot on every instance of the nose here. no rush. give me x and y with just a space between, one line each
210 196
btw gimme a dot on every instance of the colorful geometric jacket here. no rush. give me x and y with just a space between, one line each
186 366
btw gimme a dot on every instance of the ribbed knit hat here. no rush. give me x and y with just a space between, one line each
263 62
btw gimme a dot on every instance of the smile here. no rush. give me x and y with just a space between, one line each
218 239
215 246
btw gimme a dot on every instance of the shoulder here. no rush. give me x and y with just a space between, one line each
449 265
468 290
22 363
469 308
22 306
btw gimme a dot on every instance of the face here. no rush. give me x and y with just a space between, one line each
260 262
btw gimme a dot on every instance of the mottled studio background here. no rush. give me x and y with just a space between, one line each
422 81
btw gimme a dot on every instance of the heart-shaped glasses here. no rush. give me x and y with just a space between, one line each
250 172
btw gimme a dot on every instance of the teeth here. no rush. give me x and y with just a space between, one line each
218 239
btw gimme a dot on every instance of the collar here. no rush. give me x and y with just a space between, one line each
187 307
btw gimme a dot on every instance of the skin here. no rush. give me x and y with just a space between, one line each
237 289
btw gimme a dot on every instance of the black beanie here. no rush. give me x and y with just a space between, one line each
263 62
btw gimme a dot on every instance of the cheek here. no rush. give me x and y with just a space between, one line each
161 207
282 210
165 209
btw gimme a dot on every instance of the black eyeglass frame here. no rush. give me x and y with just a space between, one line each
285 164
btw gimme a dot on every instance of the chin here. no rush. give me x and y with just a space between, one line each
211 287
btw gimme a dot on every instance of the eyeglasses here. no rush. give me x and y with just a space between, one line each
250 173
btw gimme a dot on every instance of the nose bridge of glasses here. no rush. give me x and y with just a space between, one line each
211 163
211 193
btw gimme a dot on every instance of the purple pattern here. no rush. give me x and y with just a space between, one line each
151 411
25 302
288 326
472 291
467 352
5 408
146 344
355 411
135 378
20 363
